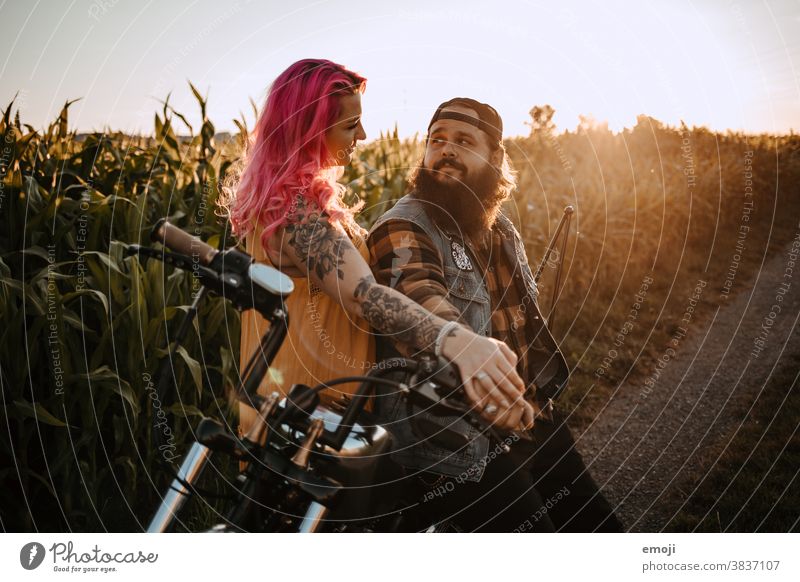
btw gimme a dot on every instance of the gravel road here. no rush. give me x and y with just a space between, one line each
675 421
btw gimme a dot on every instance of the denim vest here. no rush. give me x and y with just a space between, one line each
467 292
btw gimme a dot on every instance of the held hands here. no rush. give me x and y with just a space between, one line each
491 382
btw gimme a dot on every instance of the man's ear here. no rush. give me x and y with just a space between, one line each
497 157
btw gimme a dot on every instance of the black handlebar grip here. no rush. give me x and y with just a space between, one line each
182 242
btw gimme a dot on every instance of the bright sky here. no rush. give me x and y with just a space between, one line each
723 64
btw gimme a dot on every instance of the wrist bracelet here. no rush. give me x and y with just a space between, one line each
446 328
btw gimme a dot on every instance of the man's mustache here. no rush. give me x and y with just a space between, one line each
452 163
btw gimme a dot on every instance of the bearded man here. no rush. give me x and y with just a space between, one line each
448 246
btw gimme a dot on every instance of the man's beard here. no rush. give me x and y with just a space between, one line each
468 206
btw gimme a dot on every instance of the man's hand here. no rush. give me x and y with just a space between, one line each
491 382
518 414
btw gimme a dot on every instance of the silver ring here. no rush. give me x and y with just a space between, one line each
490 409
480 376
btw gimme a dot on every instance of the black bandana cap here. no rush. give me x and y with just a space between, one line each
489 120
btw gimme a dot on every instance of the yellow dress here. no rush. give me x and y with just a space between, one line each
324 342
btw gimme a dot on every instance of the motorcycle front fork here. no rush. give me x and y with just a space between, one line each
192 467
188 474
313 519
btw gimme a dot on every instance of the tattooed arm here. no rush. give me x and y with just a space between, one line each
324 253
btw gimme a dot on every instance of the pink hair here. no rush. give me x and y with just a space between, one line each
287 152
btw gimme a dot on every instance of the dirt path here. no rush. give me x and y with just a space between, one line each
642 446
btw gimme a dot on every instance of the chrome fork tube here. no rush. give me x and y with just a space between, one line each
313 518
176 496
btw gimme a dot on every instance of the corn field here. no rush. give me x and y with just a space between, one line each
85 329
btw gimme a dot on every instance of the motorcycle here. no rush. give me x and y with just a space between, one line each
304 467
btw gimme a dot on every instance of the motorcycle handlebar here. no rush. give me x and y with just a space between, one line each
181 242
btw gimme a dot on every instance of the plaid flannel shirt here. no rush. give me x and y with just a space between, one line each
403 256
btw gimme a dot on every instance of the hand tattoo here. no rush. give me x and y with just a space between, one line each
390 313
318 244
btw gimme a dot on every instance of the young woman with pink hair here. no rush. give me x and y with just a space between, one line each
288 207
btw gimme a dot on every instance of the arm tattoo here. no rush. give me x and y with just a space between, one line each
317 243
386 311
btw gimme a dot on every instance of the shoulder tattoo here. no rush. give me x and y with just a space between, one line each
318 244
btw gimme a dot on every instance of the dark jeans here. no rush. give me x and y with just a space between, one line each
540 486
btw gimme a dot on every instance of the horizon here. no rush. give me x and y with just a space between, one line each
557 132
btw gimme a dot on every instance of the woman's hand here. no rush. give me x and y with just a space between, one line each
488 371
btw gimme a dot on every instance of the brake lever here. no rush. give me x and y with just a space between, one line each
184 262
136 251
